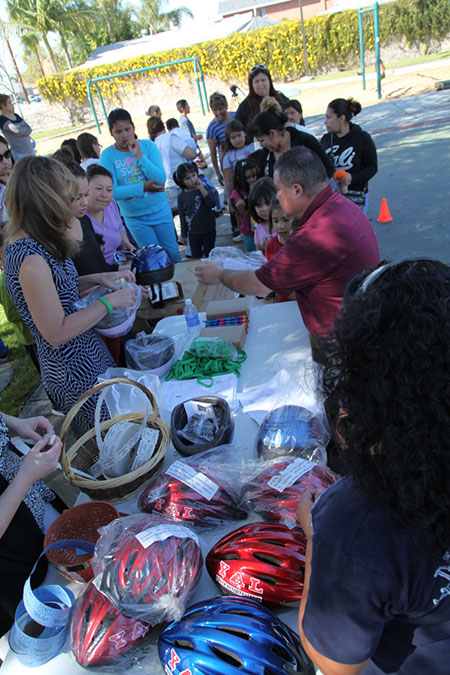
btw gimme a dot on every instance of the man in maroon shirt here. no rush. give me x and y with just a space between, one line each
333 242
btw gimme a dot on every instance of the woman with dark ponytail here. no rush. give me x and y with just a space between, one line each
350 149
269 129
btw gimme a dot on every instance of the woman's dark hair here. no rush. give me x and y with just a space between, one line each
118 115
253 100
72 144
240 182
65 156
154 127
232 127
263 190
85 144
97 170
172 123
293 103
267 120
182 171
387 367
347 107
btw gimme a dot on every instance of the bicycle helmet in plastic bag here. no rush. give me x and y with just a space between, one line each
170 497
152 264
153 352
232 636
135 575
265 561
101 635
272 504
291 429
219 435
121 320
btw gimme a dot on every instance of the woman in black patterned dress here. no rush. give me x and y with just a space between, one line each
43 284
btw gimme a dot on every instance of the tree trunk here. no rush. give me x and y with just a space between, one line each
65 49
110 30
38 58
50 52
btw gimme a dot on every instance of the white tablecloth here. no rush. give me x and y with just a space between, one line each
274 331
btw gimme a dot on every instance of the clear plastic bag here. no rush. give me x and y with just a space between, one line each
121 320
231 258
152 352
276 487
103 639
213 348
202 491
202 424
146 568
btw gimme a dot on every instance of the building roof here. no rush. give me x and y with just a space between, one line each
233 6
162 41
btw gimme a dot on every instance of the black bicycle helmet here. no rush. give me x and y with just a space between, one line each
213 437
232 636
289 429
149 352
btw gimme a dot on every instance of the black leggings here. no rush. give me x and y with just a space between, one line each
202 244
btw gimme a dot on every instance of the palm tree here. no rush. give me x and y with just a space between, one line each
152 16
42 17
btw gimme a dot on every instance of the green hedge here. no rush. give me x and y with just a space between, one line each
332 41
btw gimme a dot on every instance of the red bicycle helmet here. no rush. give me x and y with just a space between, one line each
170 497
134 577
277 506
101 635
264 561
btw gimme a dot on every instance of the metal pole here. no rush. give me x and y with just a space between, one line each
204 86
376 29
300 2
198 85
89 93
361 47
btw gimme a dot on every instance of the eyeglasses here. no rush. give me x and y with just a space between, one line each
6 155
375 274
260 67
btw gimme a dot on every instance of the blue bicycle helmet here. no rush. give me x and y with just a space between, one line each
290 429
232 636
153 265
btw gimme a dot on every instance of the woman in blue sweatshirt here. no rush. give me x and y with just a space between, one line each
139 176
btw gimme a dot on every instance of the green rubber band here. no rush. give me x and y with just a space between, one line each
107 305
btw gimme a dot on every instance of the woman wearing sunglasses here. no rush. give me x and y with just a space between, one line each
376 597
15 129
259 86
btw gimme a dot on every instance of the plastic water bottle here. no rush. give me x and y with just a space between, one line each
191 316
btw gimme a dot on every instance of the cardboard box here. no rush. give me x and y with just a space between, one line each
205 294
220 309
234 334
148 316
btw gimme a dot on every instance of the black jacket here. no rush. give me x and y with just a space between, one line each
196 215
355 152
265 159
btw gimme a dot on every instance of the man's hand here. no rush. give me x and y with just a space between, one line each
209 273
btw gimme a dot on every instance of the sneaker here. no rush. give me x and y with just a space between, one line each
238 238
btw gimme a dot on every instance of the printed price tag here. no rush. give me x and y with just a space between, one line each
161 532
290 474
146 448
195 480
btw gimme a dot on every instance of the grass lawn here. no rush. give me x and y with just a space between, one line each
25 379
63 130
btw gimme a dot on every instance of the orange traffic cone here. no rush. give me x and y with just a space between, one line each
385 215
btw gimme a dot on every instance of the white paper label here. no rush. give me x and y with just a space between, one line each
117 445
146 447
290 474
195 480
161 532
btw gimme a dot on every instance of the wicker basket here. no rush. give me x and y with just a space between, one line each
79 522
84 453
